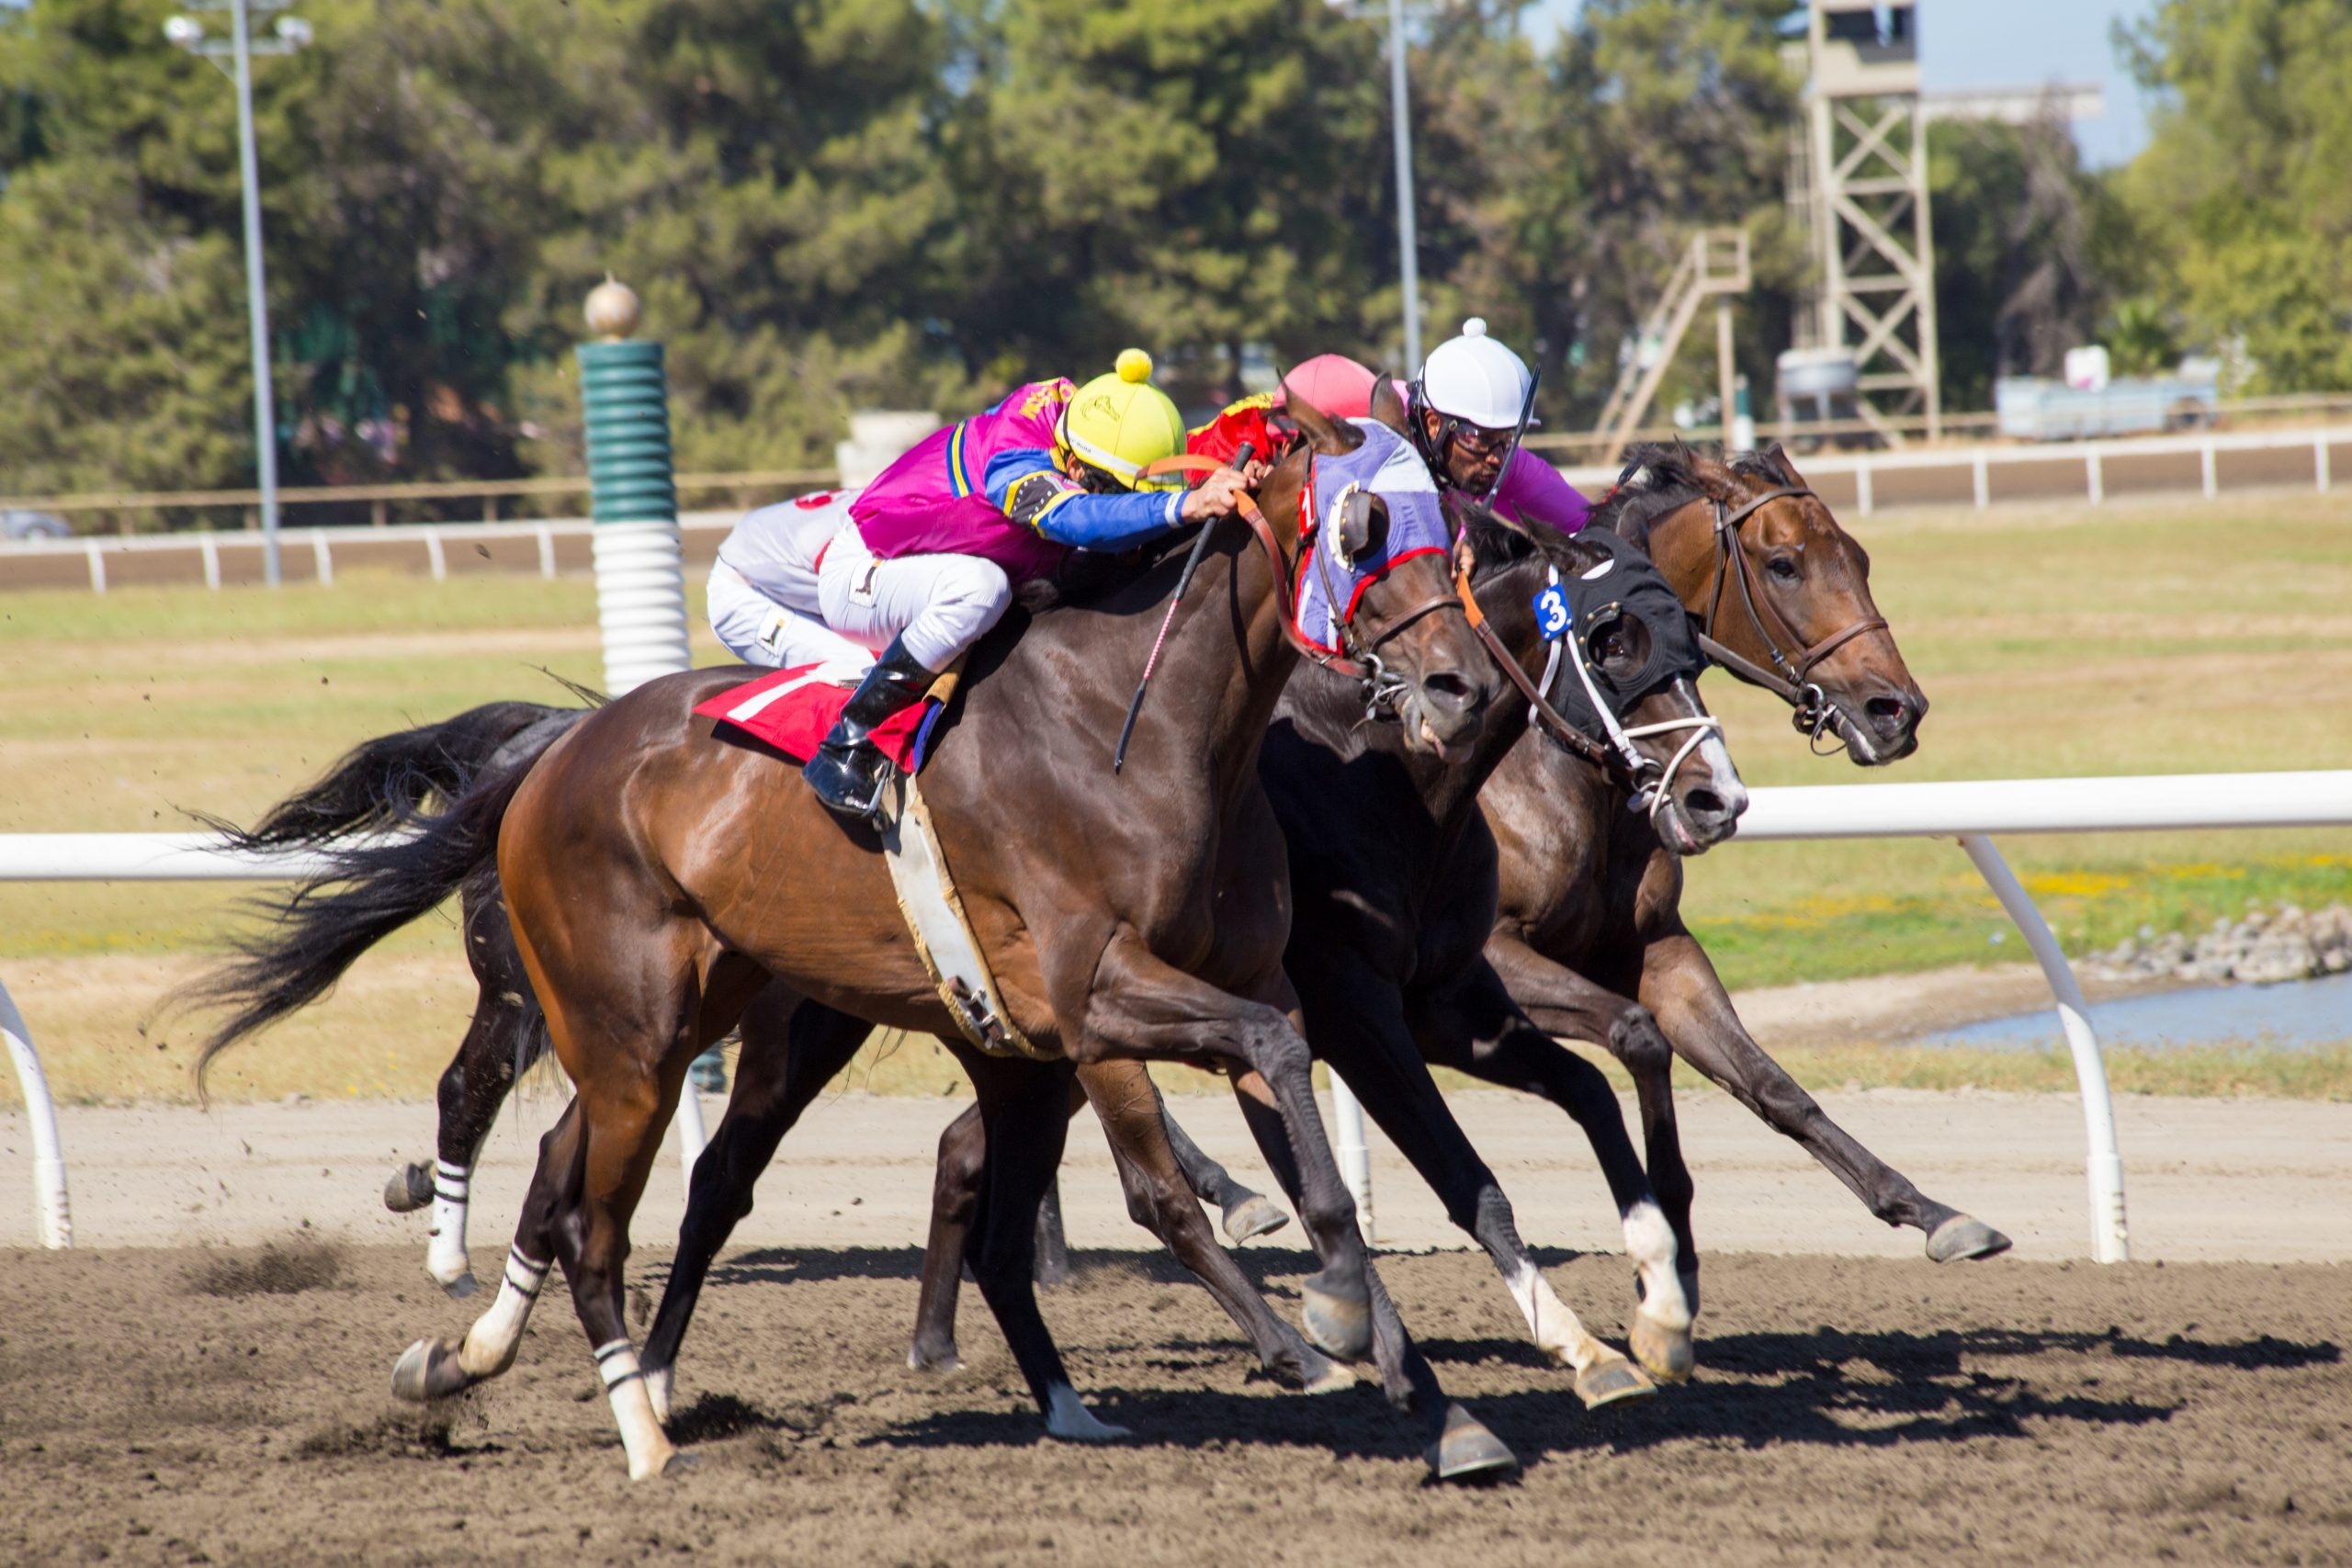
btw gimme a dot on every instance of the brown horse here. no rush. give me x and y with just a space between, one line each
658 874
1587 918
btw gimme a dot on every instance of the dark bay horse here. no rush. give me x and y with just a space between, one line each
658 875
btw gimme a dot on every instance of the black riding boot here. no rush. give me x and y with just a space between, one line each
849 770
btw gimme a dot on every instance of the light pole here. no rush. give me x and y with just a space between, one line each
288 34
1400 118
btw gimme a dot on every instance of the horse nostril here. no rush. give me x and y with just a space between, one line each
1451 691
1889 716
1705 803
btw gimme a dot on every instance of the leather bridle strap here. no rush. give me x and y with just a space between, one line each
1548 717
1731 562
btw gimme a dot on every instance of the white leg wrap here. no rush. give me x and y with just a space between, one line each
658 1387
1556 1330
490 1343
648 1449
1067 1418
1649 1240
445 1256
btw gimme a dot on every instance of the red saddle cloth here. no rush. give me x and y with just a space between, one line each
793 709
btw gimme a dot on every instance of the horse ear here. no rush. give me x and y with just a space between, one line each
1330 437
1778 458
1386 406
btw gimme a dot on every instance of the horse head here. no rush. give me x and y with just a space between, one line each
1610 648
1373 591
1761 560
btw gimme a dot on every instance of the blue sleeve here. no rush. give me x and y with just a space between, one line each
1028 488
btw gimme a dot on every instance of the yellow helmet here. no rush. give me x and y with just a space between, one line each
1121 423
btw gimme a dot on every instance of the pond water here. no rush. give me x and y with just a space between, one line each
2296 1016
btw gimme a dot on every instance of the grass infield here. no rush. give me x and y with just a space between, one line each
2141 637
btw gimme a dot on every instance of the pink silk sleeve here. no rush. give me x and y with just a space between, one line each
1532 492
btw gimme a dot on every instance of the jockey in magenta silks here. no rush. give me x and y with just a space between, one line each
1464 413
926 559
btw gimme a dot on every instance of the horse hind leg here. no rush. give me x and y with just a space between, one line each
1245 1212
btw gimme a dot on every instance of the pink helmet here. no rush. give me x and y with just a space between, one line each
1335 384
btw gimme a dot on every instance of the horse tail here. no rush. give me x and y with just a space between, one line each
392 779
373 887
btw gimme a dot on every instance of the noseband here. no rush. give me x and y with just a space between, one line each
1646 778
1792 683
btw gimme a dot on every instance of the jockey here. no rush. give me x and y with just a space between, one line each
1465 416
763 594
932 549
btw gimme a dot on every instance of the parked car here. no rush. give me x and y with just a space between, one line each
21 523
2033 408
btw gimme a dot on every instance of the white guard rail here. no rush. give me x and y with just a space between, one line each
1969 812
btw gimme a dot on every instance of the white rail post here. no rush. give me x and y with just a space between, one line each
2209 468
1348 1147
1982 472
211 564
546 552
2111 1241
2094 477
322 560
1863 496
98 569
2319 464
40 1114
433 554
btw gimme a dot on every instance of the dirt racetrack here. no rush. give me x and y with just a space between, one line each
175 1405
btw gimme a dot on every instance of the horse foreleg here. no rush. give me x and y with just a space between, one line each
1475 1025
1563 1004
1679 984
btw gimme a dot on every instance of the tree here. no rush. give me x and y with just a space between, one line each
2242 190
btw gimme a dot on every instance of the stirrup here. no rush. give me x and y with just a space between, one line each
850 778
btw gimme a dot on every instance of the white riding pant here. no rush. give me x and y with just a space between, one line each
758 630
938 606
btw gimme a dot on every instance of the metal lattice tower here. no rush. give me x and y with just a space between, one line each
1864 191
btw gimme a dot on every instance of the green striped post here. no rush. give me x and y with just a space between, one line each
641 579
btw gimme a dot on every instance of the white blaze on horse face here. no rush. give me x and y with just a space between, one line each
1726 778
1555 1330
444 1255
492 1341
1649 1241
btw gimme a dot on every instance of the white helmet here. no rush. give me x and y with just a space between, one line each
1477 380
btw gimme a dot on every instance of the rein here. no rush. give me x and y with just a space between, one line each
1792 683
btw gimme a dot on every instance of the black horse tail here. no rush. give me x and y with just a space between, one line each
375 887
392 779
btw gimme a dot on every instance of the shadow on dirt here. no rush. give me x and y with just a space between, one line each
280 1268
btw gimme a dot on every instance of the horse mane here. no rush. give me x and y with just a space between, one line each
1661 477
1498 545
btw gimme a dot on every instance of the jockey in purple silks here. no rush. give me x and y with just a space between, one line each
1465 413
922 562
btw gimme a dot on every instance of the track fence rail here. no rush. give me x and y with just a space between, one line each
1969 812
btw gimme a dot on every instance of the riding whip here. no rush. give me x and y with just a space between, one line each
1241 457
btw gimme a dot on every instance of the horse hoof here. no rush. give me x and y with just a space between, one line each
662 1461
1335 1324
679 1464
1253 1216
1467 1452
930 1361
409 1189
1665 1353
1610 1380
461 1287
427 1371
1963 1236
1319 1374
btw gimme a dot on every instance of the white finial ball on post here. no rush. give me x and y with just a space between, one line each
612 310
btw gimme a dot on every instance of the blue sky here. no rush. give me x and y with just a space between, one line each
2015 43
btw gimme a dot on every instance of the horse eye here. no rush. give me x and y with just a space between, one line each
1783 568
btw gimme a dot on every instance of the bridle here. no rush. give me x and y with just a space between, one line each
1645 778
1790 679
1358 656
